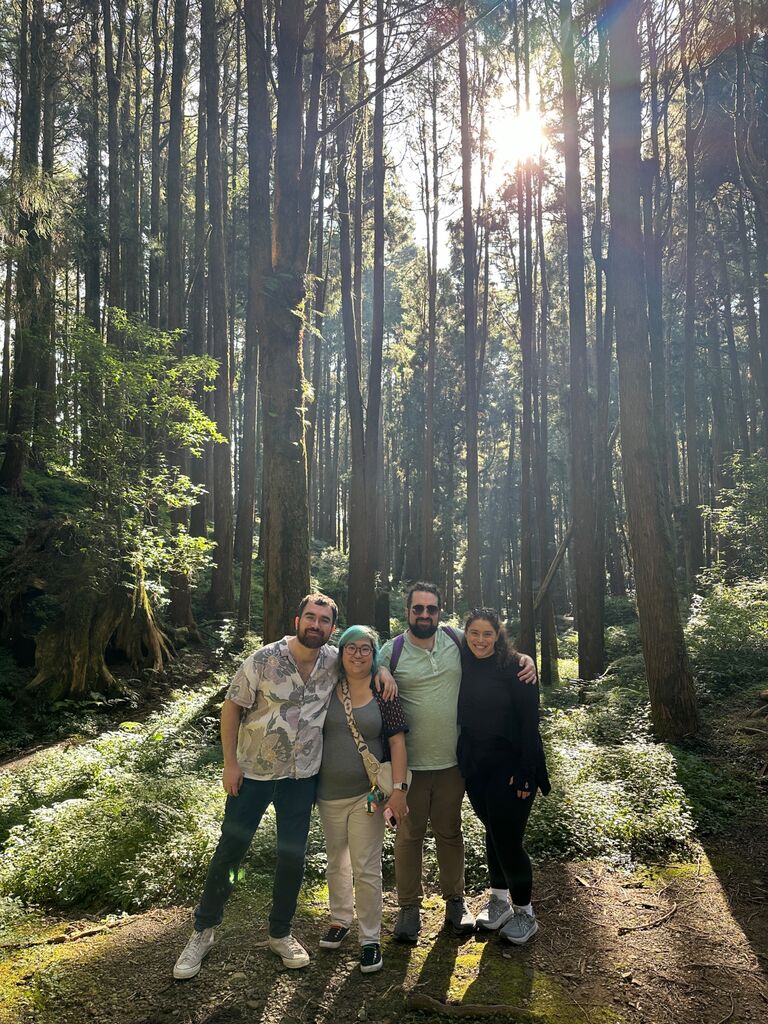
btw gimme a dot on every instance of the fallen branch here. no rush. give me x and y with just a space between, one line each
649 924
55 940
419 1001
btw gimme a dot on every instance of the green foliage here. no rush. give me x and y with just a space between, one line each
622 640
727 633
95 822
329 573
620 611
741 515
143 406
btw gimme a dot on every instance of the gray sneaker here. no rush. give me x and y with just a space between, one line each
520 928
188 964
494 914
458 916
408 925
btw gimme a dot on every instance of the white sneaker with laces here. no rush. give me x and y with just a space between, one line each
188 964
290 951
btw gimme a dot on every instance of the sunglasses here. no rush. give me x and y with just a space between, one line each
430 609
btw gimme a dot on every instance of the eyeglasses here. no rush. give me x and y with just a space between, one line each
430 609
362 650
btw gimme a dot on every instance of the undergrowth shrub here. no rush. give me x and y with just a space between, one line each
130 820
727 634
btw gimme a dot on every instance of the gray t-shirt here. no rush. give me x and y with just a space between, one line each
342 773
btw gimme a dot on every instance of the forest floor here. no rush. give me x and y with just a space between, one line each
683 943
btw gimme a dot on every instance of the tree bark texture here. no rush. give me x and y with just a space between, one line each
673 704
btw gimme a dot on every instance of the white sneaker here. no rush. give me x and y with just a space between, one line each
494 914
290 951
188 964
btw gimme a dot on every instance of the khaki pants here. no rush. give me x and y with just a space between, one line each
434 798
353 841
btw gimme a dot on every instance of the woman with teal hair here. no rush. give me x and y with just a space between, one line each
353 819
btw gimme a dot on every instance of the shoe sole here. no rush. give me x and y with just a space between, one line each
486 926
522 942
187 974
459 929
324 944
294 966
373 968
407 940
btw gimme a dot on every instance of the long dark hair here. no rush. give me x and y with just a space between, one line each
503 649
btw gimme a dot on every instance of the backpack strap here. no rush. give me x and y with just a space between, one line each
397 649
399 642
453 635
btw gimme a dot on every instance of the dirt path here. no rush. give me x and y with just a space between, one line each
686 944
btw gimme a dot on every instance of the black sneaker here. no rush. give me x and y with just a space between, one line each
370 958
458 916
408 925
334 937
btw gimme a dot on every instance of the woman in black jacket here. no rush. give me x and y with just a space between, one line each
502 759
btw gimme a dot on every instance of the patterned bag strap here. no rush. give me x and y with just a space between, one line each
370 761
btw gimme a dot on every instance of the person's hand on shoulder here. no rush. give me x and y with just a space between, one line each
527 670
385 683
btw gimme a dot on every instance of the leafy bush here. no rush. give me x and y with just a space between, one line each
620 611
621 641
741 515
727 633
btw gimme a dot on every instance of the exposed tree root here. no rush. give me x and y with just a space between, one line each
72 604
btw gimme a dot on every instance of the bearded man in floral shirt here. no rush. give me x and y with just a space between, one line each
272 738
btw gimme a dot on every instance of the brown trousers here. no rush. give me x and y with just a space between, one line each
434 798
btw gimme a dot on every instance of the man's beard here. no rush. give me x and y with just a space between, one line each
312 641
424 632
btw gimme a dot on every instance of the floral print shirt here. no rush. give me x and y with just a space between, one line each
281 730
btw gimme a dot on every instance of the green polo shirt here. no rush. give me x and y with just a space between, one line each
429 682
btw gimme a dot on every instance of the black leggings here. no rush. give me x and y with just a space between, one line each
505 816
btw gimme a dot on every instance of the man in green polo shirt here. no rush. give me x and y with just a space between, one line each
427 668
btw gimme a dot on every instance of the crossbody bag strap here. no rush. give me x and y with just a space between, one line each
370 761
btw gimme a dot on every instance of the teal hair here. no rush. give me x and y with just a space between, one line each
352 633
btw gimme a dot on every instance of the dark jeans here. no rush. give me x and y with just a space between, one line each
505 816
293 800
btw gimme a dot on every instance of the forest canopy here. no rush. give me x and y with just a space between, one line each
467 292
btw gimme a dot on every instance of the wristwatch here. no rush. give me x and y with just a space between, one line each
400 785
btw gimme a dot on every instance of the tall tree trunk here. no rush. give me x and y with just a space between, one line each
113 65
285 524
180 608
432 215
222 595
259 267
28 326
198 526
131 171
587 554
91 226
653 248
549 651
473 596
694 533
726 298
155 263
44 430
673 703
